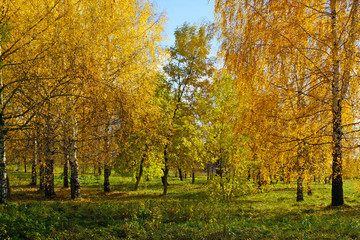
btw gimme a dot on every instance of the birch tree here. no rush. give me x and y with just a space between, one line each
322 35
188 69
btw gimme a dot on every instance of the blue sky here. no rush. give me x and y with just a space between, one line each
180 11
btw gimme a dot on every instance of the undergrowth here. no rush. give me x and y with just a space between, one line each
187 212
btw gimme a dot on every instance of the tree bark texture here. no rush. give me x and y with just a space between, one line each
8 187
302 159
74 180
300 190
3 131
107 173
141 168
49 187
337 197
3 173
66 169
74 167
180 175
107 166
33 173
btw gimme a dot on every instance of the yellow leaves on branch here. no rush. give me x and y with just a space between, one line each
281 54
95 60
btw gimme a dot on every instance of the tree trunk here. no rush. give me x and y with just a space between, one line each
180 175
34 165
33 174
42 175
8 187
24 164
107 167
164 178
70 151
302 159
107 173
300 191
339 92
49 187
193 177
208 173
258 178
74 180
138 177
3 173
337 197
74 166
66 169
141 168
3 131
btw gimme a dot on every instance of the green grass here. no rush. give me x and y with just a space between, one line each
187 212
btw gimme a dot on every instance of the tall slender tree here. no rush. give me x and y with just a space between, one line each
188 69
261 43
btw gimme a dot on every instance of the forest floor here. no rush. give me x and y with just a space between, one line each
187 212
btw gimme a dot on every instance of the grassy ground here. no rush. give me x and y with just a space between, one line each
187 212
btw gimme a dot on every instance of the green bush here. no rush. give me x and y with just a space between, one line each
230 186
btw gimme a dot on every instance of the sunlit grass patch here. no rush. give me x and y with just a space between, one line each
187 212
